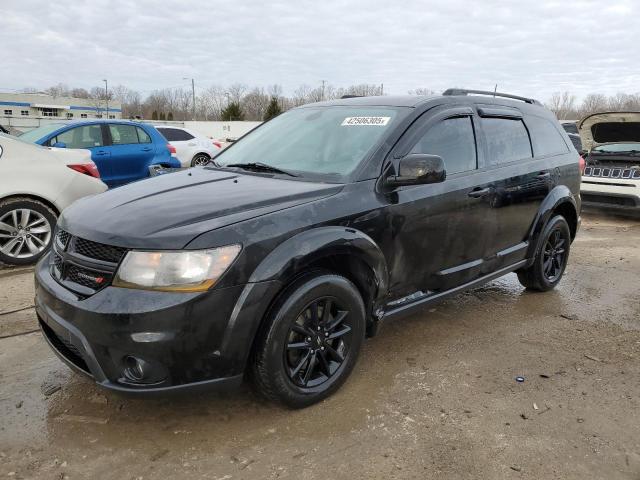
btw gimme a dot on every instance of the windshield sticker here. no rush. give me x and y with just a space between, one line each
375 121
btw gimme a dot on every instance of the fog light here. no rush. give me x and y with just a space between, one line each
135 369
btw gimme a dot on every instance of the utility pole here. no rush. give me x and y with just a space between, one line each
382 89
106 95
323 82
193 92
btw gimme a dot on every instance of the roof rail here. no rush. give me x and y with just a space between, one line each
351 96
462 91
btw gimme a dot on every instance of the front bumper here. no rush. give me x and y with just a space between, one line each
181 340
613 194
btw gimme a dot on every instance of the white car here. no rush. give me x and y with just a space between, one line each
611 179
191 147
36 184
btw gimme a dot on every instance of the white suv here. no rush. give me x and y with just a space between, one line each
611 178
192 148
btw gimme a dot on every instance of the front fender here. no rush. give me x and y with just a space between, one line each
287 260
556 197
306 248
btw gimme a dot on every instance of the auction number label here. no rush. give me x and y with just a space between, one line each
373 121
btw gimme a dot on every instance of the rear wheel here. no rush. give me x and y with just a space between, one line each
200 159
551 257
26 230
311 341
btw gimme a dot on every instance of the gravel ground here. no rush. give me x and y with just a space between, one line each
433 396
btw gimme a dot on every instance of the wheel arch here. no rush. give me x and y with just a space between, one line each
559 201
37 198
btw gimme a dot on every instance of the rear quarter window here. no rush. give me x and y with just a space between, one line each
546 138
507 140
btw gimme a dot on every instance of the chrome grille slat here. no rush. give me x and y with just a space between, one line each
612 172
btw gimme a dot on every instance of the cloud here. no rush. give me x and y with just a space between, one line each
530 48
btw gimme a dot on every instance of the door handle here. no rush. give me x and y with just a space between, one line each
146 149
543 175
101 153
479 192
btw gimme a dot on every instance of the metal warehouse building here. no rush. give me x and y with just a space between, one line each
30 110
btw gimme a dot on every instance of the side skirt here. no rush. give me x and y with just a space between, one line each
413 307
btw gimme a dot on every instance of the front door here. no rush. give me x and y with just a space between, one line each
440 235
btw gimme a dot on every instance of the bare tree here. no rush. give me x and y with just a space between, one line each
563 104
422 91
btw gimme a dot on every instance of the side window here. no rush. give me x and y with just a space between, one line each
507 140
186 135
143 137
453 140
87 136
123 134
546 138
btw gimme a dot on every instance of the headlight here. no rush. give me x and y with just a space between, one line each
184 271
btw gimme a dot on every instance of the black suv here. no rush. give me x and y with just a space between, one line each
304 237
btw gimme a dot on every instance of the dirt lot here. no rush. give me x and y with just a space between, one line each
433 396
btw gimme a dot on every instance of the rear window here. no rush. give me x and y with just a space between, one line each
547 140
507 140
175 134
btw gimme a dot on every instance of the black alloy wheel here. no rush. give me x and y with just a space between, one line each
318 342
554 258
310 340
551 257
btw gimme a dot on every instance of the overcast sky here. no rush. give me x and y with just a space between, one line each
530 47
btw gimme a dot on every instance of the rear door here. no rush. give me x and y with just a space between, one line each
519 182
440 234
88 137
131 152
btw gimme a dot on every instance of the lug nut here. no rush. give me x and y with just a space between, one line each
321 348
326 334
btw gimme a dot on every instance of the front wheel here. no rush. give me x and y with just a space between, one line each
550 258
311 341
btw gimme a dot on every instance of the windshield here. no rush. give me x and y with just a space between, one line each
37 133
617 147
325 143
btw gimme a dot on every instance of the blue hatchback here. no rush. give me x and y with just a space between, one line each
123 151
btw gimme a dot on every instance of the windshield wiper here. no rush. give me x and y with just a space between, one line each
260 167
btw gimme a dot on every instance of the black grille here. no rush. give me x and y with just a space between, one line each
65 348
62 238
609 200
57 262
99 251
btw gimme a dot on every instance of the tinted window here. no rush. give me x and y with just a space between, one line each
87 136
143 137
507 140
546 138
570 127
123 134
175 134
454 141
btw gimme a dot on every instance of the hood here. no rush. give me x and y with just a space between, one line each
609 127
168 211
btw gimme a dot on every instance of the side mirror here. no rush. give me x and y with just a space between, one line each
418 169
59 145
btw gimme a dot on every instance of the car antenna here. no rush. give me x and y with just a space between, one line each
495 90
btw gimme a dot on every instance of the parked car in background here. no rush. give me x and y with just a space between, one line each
305 236
123 151
36 184
192 148
611 178
576 141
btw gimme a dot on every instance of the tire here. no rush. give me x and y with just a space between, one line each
26 230
200 159
298 365
550 260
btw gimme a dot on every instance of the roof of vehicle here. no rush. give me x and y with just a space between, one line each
464 96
